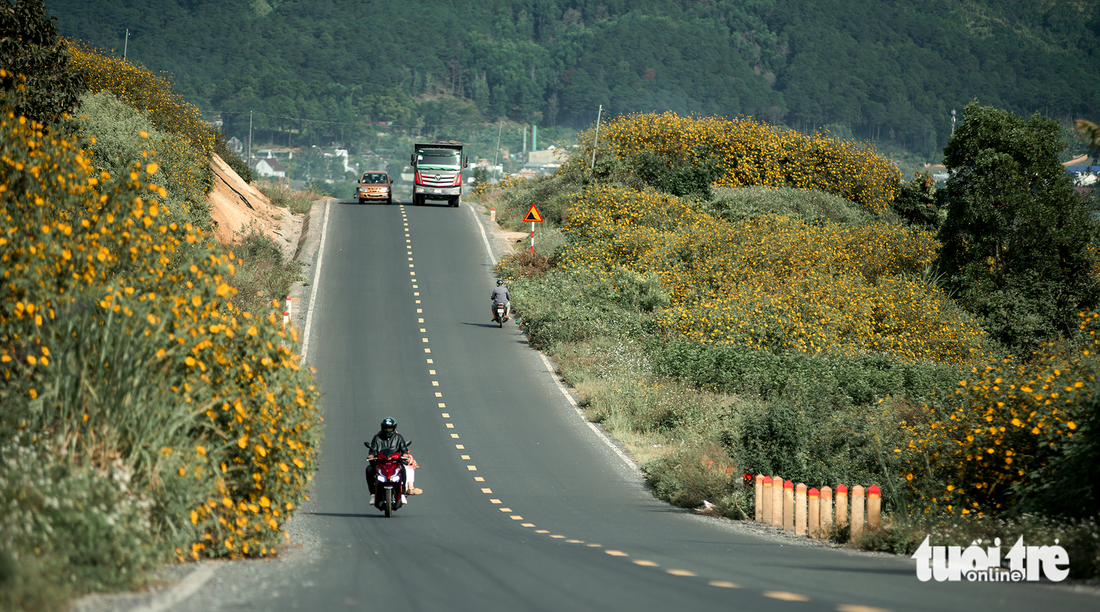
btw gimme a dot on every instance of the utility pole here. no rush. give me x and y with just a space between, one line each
126 45
249 162
497 153
596 139
952 122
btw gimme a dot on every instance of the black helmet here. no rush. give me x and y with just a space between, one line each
499 282
388 427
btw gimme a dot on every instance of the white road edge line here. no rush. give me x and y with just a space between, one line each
554 374
316 278
180 592
484 236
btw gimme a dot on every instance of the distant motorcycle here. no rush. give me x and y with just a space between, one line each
389 481
500 308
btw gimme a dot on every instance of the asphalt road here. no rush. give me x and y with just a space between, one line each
525 507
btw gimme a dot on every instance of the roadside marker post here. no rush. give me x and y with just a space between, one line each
788 505
800 509
841 505
533 217
857 511
777 502
874 506
815 512
766 502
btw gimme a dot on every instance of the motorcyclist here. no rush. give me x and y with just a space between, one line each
387 439
500 294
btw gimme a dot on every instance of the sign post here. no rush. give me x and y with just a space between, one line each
534 217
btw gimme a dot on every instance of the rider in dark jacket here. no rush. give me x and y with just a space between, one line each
388 440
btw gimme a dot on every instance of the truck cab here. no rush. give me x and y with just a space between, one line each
437 172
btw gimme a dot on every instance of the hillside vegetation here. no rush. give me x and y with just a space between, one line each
887 70
146 415
816 333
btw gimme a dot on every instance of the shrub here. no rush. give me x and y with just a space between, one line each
571 306
121 344
262 274
917 202
737 204
119 137
1013 437
687 477
745 152
774 282
152 95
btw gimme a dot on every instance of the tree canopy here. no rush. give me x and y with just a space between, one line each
884 69
1017 236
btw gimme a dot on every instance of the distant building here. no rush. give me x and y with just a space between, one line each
543 162
236 146
270 167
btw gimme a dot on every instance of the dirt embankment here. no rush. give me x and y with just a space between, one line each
235 205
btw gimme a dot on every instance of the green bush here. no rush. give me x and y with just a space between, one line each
86 521
815 441
576 305
689 476
735 204
112 131
36 61
676 177
917 202
861 380
263 274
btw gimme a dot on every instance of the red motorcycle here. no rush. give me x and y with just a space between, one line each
389 481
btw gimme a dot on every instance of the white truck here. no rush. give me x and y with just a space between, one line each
437 172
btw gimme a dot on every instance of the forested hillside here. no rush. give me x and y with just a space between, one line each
890 70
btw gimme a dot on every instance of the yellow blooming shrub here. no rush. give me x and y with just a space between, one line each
118 336
773 282
994 444
153 95
752 153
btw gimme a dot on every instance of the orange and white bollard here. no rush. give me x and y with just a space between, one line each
286 313
826 511
788 505
857 511
815 512
874 506
841 505
800 509
777 501
766 499
493 214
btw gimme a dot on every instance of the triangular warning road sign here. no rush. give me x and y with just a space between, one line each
533 215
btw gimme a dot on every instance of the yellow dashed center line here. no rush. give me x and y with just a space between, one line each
785 596
781 595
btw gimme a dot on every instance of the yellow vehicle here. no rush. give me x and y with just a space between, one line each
375 186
